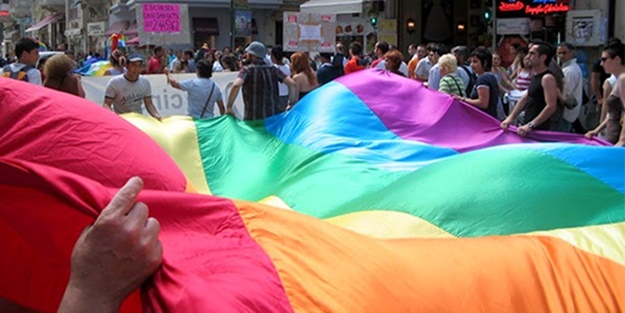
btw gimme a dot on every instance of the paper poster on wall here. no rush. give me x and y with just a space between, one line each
242 23
586 28
161 18
309 32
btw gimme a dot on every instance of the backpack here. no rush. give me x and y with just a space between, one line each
472 79
21 74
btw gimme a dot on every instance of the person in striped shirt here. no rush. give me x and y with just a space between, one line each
450 82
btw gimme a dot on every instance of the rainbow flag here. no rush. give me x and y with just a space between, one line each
95 67
372 194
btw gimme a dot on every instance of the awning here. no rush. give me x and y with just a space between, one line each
333 6
206 26
133 42
115 28
46 21
120 28
132 30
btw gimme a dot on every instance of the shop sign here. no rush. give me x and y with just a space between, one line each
513 26
96 29
72 32
520 8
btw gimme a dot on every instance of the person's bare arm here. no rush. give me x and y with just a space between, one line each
81 90
173 82
114 256
220 105
107 103
595 83
551 99
620 85
234 92
149 105
607 90
293 93
483 98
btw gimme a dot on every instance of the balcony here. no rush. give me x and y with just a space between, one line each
52 5
20 8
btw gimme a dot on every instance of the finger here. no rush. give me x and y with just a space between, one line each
138 216
155 258
152 227
125 198
149 236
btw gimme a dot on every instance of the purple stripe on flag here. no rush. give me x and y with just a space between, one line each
435 118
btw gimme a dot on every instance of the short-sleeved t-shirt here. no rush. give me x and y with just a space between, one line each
353 65
199 89
423 67
488 80
128 95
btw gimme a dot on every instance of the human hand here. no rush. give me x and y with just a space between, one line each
115 255
229 111
523 130
620 143
505 124
591 134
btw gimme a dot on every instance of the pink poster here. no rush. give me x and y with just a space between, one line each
161 18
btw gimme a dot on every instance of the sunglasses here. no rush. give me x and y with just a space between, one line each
605 59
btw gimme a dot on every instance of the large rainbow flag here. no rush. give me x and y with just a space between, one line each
373 194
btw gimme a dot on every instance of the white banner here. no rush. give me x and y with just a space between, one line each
168 100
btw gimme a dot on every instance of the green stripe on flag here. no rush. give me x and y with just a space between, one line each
486 192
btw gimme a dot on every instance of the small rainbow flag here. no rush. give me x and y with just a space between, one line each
95 67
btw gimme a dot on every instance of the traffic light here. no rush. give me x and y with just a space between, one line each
488 15
374 21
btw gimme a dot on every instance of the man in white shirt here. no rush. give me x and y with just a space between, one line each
422 72
27 52
573 85
127 92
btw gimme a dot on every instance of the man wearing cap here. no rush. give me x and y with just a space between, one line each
126 92
259 82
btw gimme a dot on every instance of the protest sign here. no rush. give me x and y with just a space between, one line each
161 18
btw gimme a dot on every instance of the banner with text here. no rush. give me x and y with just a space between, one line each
161 18
168 100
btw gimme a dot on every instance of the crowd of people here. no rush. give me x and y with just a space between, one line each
536 92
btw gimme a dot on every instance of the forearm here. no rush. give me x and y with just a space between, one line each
601 126
74 300
232 96
544 115
152 110
478 103
174 83
154 113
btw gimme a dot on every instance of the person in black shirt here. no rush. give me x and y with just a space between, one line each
328 71
541 101
485 93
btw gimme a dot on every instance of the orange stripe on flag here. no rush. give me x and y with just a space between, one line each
325 268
